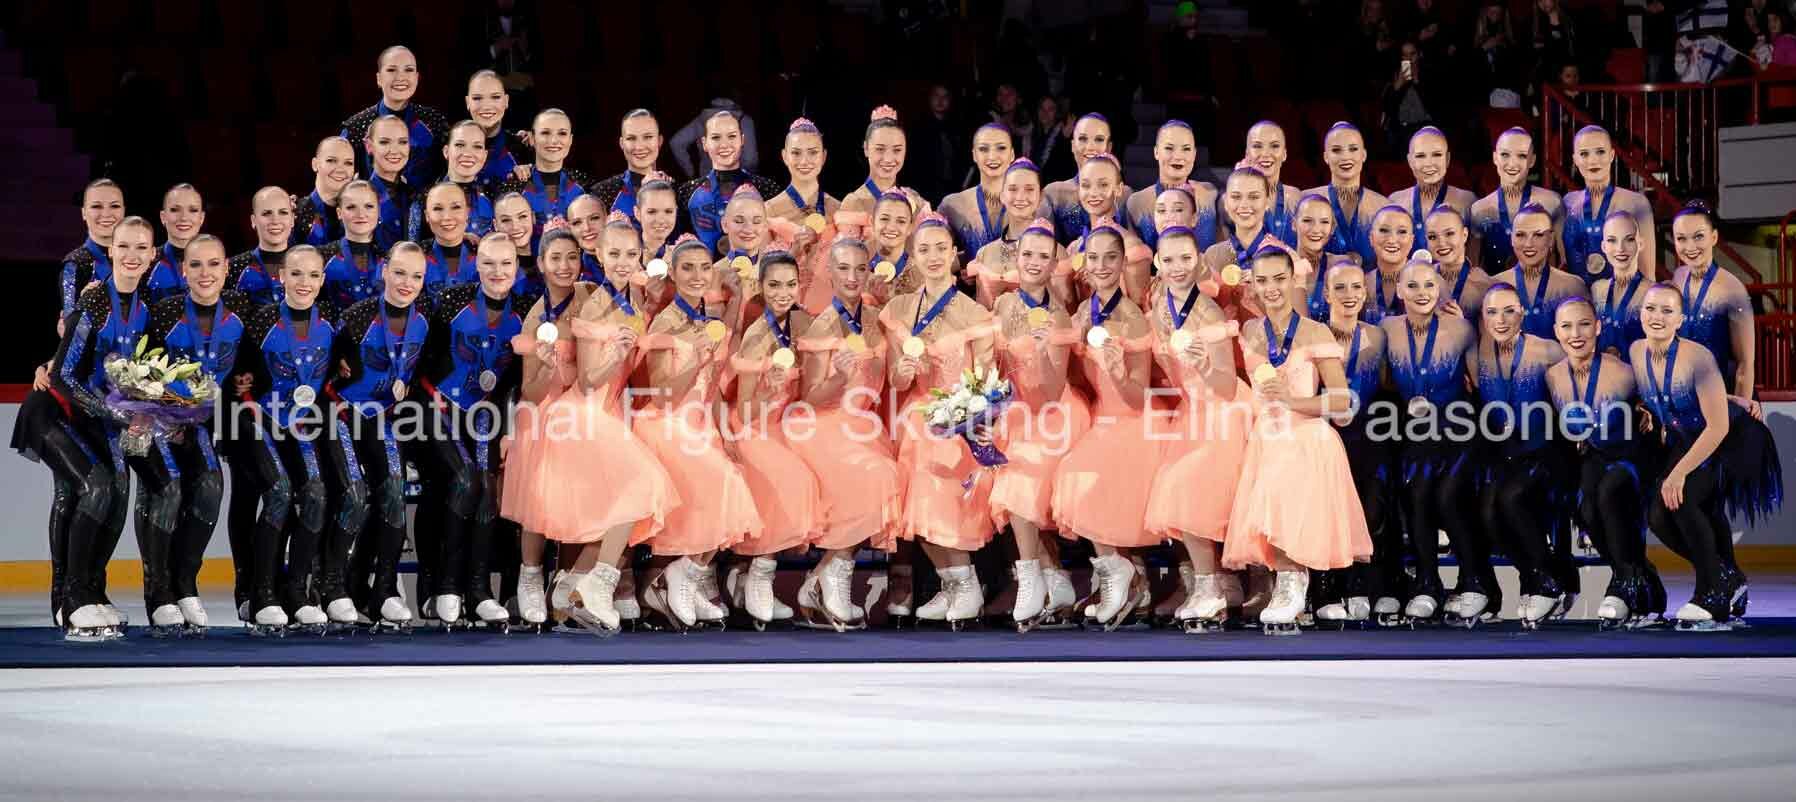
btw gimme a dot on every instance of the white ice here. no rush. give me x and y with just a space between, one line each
1637 730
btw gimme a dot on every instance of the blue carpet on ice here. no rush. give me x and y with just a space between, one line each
44 647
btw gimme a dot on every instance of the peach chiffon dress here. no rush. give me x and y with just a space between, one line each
1101 488
1205 442
1038 431
849 450
784 488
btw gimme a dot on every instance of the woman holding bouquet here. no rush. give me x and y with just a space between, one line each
1102 486
179 483
1035 351
1298 385
1208 433
863 496
72 429
933 335
281 460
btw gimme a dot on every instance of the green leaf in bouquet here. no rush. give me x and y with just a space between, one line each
142 343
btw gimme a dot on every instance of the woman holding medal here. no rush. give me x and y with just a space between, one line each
376 349
1298 384
596 488
1587 211
1034 351
683 353
995 270
281 461
890 228
746 232
1720 460
844 373
1509 367
1717 308
1435 483
1100 188
1102 486
467 373
1313 225
1342 596
934 334
1207 436
1244 199
1351 201
784 490
805 203
1595 395
1445 237
977 215
546 349
1619 295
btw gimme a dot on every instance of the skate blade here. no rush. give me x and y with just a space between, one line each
95 635
1203 626
267 631
171 632
1704 626
1281 630
591 623
193 631
312 630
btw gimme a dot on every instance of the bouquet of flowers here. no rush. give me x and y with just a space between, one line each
160 396
978 399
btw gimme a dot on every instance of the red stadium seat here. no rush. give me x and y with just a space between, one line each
282 154
1627 66
1484 178
239 23
229 80
91 78
217 152
1300 174
1496 121
1388 177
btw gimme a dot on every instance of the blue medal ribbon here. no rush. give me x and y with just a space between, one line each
1183 311
1279 355
853 322
935 310
1422 363
1694 307
1099 316
779 332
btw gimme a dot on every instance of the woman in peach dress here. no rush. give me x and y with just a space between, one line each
548 371
1296 507
1047 416
994 269
1244 198
804 203
767 382
1101 488
888 237
885 147
933 335
599 489
684 352
1207 435
1100 188
848 450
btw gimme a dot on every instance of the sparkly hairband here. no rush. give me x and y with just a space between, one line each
1022 164
802 125
617 217
1040 225
885 113
931 219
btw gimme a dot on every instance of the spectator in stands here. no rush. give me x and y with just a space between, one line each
1407 100
1555 36
1493 37
1190 89
1100 77
1783 39
1007 107
688 138
396 73
1053 129
1658 36
940 147
513 47
1428 27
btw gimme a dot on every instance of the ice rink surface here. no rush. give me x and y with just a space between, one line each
1704 730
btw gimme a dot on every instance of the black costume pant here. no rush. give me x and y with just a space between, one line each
456 519
1611 509
179 490
1515 502
374 545
90 491
1441 500
1699 531
283 474
345 513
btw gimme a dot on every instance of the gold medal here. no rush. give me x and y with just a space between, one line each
815 222
1264 373
1180 341
1038 317
1097 336
855 343
1231 275
1078 261
784 359
886 270
716 331
547 333
634 323
913 347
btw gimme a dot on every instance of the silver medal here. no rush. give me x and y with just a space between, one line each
488 380
1420 407
304 395
547 333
